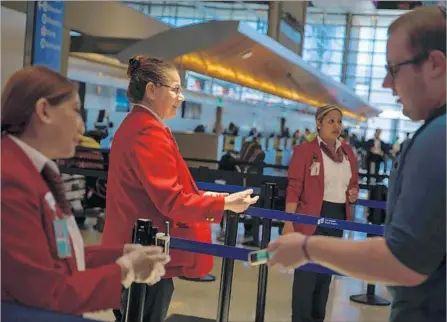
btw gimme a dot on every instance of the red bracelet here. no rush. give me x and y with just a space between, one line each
304 249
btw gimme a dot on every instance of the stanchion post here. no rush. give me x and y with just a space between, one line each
269 192
375 218
226 279
144 234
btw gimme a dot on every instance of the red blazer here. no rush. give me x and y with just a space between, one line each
32 273
307 190
148 178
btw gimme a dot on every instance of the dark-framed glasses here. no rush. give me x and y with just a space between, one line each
393 69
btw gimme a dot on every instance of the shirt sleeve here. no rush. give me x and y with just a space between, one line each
416 233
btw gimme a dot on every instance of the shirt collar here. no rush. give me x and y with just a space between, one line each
157 117
36 157
337 142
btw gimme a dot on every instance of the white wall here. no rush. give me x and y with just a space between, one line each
12 42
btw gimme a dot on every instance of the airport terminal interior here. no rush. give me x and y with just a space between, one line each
251 71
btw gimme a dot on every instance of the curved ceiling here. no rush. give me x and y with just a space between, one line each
233 51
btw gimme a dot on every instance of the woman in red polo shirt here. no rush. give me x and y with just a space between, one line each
323 181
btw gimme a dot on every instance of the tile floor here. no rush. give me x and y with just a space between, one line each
200 299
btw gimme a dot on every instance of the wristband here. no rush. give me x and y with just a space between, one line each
304 249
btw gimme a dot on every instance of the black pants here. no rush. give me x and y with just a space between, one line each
311 290
158 298
377 160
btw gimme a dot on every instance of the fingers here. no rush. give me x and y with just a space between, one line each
151 250
272 246
245 193
160 258
253 200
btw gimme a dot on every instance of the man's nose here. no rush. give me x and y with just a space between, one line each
388 81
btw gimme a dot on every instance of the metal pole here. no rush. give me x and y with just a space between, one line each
269 193
29 32
226 280
144 234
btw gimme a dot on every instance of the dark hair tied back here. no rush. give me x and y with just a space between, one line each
141 71
134 63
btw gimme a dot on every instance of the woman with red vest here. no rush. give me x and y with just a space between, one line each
44 261
148 178
323 182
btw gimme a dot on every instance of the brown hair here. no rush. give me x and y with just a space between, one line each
22 91
426 27
142 70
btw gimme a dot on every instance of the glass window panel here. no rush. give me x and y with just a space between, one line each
334 57
379 59
385 21
363 71
379 72
382 97
331 69
366 33
377 83
382 33
334 19
360 20
380 46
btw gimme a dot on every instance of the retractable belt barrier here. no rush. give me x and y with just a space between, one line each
232 188
12 312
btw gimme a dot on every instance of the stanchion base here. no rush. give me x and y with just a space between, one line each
204 279
369 300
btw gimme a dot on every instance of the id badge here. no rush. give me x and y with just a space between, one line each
62 238
315 169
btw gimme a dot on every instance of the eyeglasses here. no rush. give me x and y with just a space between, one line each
176 89
393 69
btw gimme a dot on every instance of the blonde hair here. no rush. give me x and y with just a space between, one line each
426 27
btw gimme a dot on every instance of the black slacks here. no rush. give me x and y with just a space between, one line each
311 290
157 301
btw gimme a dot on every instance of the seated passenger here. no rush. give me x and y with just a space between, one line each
44 261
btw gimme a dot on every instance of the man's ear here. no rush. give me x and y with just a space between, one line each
41 109
438 65
150 91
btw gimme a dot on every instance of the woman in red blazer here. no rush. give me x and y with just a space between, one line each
44 262
323 182
149 178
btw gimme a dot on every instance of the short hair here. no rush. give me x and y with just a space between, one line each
141 71
426 27
22 91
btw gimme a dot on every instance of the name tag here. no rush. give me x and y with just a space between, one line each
315 169
63 245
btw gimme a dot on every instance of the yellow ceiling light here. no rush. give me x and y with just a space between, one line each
202 65
205 66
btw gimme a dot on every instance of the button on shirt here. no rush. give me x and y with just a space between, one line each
336 177
39 161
